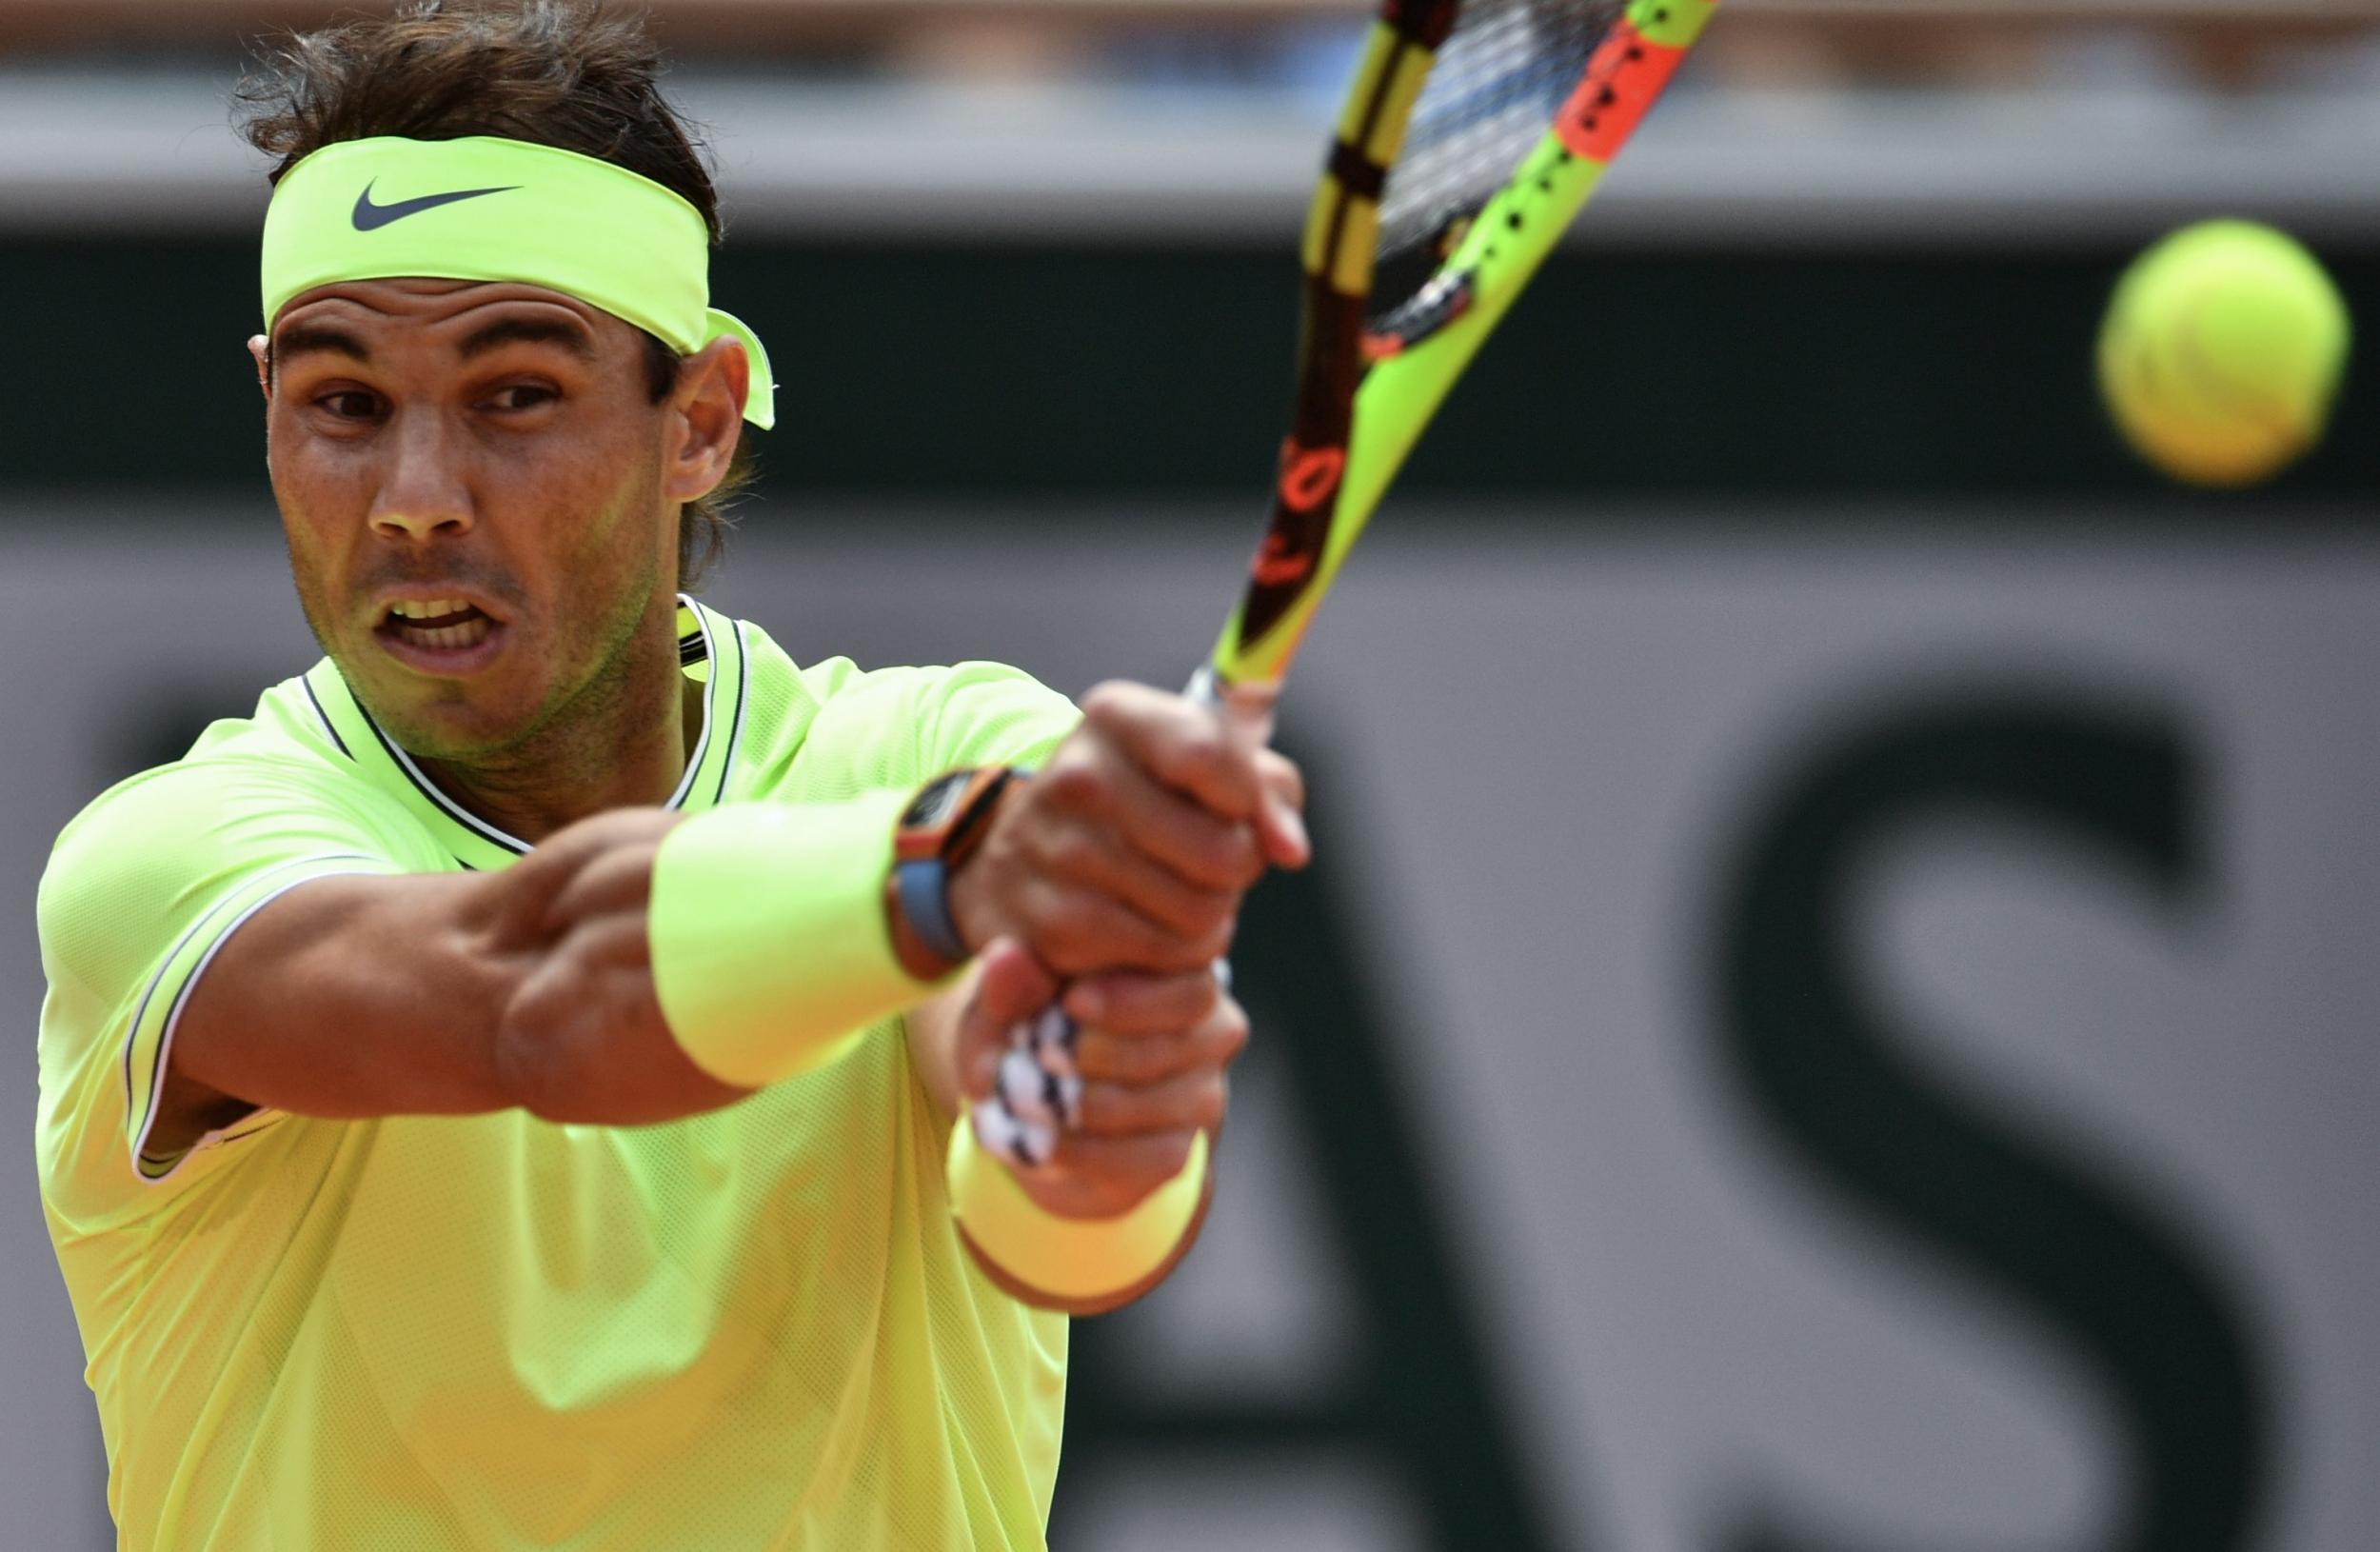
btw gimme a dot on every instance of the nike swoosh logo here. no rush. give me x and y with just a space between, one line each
371 217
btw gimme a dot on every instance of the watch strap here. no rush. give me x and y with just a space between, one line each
940 828
923 888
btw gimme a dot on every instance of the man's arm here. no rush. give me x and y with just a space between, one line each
461 994
444 994
933 1031
1158 1033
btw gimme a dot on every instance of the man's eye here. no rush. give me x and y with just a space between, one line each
522 396
349 405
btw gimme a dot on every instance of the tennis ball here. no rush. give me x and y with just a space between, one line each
2223 351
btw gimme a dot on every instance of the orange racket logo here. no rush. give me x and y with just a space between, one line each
1278 566
1308 475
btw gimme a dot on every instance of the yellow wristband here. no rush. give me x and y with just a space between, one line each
771 951
1071 1262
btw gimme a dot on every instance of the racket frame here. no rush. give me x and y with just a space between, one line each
1401 383
1363 400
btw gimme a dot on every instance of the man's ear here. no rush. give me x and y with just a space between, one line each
705 419
261 347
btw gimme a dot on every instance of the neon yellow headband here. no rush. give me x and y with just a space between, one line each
494 210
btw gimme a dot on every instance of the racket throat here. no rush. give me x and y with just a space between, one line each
1249 708
1445 299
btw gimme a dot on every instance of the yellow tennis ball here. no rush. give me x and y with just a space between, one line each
2222 352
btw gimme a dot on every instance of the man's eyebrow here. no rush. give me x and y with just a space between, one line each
302 338
571 336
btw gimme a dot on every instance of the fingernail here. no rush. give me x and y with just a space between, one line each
1294 826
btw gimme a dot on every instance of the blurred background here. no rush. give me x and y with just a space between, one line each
1836 1013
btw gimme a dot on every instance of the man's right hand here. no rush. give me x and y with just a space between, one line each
1133 847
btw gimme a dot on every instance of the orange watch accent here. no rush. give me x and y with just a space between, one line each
938 830
945 819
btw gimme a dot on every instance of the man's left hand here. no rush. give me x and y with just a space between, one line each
1152 1052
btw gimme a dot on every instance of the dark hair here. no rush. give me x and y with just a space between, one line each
571 73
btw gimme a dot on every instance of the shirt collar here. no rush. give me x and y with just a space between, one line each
711 651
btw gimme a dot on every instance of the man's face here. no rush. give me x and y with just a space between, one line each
479 499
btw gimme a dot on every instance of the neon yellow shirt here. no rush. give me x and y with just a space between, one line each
751 1329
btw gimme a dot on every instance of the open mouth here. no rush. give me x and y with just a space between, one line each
438 634
442 624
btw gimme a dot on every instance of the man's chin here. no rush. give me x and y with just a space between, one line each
447 721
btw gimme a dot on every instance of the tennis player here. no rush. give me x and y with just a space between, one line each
505 1091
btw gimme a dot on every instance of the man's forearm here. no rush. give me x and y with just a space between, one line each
770 944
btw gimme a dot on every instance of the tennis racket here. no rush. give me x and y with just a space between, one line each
1474 133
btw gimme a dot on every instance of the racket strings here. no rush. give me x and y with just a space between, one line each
1499 80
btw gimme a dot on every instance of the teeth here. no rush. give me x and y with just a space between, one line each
469 634
431 610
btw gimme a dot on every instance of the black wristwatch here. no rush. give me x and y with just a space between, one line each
938 830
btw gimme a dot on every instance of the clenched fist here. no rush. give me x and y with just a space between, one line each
1152 1053
1132 849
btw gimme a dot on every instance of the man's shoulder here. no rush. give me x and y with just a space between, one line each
942 715
920 686
895 725
268 783
280 752
251 807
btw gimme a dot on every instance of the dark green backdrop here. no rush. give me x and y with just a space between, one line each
1026 371
1908 385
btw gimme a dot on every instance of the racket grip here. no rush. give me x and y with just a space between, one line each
1036 1094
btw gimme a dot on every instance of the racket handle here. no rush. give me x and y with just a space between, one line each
1037 1093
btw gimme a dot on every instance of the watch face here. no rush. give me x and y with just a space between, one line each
933 806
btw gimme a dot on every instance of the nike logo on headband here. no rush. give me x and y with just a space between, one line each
371 217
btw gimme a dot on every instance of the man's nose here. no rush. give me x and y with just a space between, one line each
423 491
